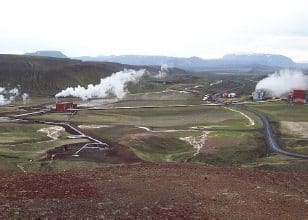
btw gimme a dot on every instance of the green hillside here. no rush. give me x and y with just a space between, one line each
43 76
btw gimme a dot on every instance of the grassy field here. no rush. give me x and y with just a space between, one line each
158 148
281 113
149 146
172 117
160 99
167 125
4 110
231 141
16 133
232 148
280 163
157 144
22 143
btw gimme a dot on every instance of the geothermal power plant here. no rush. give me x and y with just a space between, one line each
289 85
157 120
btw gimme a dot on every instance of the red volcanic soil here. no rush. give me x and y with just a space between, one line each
146 190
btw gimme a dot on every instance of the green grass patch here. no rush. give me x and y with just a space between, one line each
21 143
280 163
248 149
15 133
66 165
158 149
281 111
156 117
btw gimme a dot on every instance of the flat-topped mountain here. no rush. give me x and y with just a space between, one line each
47 53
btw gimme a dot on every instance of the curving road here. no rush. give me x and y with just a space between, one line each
270 137
268 131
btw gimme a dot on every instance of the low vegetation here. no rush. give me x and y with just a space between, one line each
156 134
282 111
22 146
289 122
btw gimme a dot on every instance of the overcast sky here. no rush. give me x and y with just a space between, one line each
207 29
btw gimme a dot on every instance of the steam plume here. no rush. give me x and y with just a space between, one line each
7 96
114 84
164 70
24 97
3 100
284 81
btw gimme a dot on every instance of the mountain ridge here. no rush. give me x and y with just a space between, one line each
45 76
235 63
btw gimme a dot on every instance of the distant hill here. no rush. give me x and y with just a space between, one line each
47 53
261 59
231 62
184 63
47 76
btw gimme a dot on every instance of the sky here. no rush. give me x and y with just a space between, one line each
185 28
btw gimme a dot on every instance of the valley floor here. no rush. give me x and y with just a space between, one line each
219 165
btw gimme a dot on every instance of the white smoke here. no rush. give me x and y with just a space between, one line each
284 81
3 100
164 70
7 96
114 84
25 97
14 92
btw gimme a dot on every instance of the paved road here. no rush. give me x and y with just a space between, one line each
268 131
270 137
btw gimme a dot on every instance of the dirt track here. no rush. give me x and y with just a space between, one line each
155 190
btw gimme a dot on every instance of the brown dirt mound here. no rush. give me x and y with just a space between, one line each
146 190
113 154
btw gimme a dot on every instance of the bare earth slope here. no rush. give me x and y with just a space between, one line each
155 190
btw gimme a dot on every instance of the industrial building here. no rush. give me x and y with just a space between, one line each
258 95
297 96
64 106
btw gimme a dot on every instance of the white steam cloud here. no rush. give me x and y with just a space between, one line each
14 92
114 84
7 96
284 81
25 97
164 70
3 100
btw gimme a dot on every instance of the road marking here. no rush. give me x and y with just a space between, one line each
251 121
